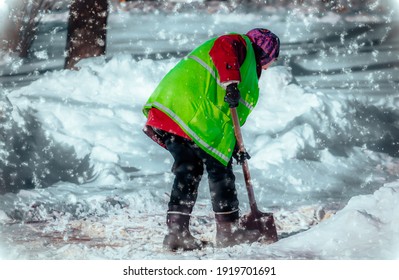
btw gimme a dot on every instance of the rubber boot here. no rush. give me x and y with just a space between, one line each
229 232
179 236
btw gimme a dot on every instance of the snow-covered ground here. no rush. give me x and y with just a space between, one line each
88 184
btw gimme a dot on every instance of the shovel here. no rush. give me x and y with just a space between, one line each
255 220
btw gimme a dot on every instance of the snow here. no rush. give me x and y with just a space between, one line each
101 186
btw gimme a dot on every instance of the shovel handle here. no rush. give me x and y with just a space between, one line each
245 168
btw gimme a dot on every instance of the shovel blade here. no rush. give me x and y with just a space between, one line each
264 222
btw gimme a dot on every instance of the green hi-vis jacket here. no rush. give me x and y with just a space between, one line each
191 94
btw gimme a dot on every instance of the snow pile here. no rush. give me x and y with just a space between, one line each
365 229
108 183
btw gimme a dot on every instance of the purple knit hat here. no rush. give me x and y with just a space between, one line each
266 44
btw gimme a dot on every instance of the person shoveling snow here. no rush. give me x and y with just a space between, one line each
189 115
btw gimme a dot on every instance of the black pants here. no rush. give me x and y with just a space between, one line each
188 169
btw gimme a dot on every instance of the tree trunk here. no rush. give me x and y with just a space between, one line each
86 35
21 24
9 31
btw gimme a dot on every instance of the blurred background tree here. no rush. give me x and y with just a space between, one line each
20 26
87 29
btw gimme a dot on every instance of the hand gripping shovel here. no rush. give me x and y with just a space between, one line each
255 220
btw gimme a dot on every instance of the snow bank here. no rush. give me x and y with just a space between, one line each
89 159
367 228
